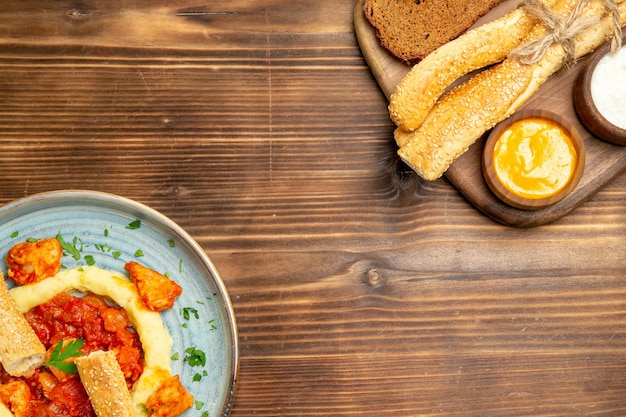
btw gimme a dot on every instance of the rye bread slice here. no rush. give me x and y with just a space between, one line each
411 29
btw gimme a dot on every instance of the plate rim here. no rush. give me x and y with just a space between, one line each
160 218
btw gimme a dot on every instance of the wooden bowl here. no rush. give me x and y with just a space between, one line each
584 103
539 200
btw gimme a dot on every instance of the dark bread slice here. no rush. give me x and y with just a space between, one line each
411 29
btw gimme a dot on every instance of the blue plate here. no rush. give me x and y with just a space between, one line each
110 231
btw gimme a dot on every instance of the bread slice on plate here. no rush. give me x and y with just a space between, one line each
411 29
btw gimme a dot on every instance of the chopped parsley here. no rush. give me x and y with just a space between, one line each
102 247
198 376
195 357
69 248
90 260
60 355
187 312
134 225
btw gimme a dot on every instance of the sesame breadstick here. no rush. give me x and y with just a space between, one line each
477 48
464 114
21 351
104 382
4 411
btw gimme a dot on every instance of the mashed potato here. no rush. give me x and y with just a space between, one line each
156 340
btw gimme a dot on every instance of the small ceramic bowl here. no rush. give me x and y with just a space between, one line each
498 167
587 108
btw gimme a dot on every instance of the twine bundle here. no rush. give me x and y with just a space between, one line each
563 30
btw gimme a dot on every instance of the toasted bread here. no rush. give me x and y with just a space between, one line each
411 29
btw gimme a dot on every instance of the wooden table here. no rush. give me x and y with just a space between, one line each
359 289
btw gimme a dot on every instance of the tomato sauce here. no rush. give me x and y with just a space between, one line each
102 327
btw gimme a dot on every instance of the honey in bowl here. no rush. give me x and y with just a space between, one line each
533 160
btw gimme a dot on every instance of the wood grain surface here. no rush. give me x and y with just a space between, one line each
605 160
359 289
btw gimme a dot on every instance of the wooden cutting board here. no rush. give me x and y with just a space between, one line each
604 160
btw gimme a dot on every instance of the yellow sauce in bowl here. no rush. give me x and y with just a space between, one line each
535 158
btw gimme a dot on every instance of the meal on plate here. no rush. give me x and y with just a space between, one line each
85 341
506 61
